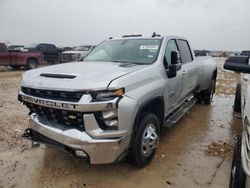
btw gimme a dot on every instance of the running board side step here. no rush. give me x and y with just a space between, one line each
172 119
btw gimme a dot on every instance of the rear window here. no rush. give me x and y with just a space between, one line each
246 53
46 47
185 52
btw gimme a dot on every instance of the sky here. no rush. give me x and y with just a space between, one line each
207 24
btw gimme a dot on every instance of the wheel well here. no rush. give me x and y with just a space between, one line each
215 74
156 106
214 78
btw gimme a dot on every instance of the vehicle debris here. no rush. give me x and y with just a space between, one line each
219 149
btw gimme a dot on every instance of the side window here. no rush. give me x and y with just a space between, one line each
185 52
41 47
51 47
171 46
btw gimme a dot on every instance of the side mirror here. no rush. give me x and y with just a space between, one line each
175 64
175 57
237 64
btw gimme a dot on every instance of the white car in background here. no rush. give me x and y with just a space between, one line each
240 174
78 52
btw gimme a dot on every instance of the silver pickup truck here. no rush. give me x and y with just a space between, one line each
116 101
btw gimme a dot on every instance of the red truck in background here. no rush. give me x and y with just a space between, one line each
16 58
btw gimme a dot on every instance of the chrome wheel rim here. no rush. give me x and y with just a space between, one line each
149 140
32 65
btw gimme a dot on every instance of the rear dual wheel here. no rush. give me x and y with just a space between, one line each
206 96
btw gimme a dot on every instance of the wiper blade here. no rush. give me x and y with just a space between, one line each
130 62
119 61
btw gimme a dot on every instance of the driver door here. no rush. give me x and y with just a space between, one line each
173 86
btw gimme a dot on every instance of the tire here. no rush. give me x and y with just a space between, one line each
237 99
238 177
198 97
31 64
15 67
207 95
144 147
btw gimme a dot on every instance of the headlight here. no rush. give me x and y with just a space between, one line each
107 120
107 95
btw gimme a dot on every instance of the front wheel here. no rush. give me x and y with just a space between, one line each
145 141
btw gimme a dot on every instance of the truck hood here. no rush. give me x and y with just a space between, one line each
77 75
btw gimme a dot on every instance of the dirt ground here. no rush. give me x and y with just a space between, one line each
197 152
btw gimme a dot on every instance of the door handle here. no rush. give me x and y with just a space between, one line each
245 78
172 93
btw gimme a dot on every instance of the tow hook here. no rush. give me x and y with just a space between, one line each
28 134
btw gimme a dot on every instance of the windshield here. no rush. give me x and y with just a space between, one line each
82 48
140 51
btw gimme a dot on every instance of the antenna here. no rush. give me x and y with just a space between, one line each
155 34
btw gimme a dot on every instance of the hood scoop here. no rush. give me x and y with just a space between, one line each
61 76
127 65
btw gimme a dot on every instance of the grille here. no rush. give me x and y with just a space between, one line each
69 96
70 119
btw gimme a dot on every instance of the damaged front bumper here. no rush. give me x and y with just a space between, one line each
99 151
85 127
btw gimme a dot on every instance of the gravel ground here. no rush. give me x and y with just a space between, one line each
195 153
